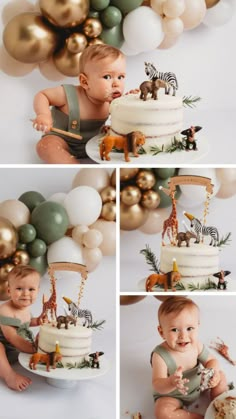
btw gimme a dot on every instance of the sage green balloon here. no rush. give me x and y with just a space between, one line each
37 248
27 233
113 36
126 6
40 264
50 220
31 199
93 13
165 199
165 172
99 4
111 16
21 246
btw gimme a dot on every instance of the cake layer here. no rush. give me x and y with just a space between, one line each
197 261
74 342
157 119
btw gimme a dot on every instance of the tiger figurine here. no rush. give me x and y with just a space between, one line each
127 143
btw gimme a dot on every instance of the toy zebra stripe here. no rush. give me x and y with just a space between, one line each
170 78
205 231
76 312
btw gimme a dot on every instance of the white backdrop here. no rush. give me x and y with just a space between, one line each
204 62
87 398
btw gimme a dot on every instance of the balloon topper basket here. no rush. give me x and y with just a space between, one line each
65 377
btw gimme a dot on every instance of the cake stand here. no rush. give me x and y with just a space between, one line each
64 377
178 157
210 413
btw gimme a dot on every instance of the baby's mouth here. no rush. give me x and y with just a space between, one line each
116 95
182 344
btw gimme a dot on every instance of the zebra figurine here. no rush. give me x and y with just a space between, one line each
76 312
170 78
200 229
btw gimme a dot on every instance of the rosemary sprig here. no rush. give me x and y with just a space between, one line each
78 365
151 259
175 145
156 150
180 287
142 151
191 101
98 325
209 284
224 240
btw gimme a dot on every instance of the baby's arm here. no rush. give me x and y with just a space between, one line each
10 333
160 380
212 362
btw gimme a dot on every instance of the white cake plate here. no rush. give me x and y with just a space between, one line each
64 377
210 413
178 157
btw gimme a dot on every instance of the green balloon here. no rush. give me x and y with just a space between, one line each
113 36
99 4
27 233
111 16
165 199
94 14
126 6
40 264
31 199
164 172
50 220
21 246
37 248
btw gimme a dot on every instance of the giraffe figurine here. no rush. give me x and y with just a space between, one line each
170 225
51 303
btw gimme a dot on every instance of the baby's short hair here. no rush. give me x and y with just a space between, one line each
21 271
175 305
98 52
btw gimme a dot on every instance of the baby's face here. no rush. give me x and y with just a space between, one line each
180 331
23 291
105 79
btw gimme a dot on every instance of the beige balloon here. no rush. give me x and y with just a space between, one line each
15 211
96 178
109 211
132 217
157 6
226 175
12 67
173 8
78 233
108 194
154 222
65 14
49 70
168 42
92 238
8 238
172 27
194 13
14 8
108 230
92 258
226 190
66 62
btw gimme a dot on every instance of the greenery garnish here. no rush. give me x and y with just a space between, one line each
60 365
156 150
191 101
142 151
209 284
224 240
151 259
175 146
78 365
98 325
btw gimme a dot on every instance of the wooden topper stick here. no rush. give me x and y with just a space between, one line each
69 134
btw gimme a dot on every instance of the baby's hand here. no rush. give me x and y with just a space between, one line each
214 381
132 91
179 382
43 123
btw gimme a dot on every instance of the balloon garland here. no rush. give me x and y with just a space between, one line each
55 33
144 206
63 228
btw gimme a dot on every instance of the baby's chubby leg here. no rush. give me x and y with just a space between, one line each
170 408
13 380
221 387
53 150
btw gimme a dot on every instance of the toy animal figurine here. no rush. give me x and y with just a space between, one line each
152 87
137 415
199 229
170 225
127 143
95 359
206 376
50 359
51 303
222 349
79 313
66 320
168 77
185 237
168 280
190 137
222 283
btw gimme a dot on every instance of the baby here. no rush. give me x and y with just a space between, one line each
81 109
15 318
175 362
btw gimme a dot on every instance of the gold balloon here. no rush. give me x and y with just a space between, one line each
108 212
145 179
211 3
76 42
8 238
113 178
4 295
130 299
108 194
132 217
67 63
150 199
95 41
126 174
92 27
65 14
28 38
4 270
20 257
130 195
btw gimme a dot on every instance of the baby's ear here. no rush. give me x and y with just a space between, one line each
160 331
83 80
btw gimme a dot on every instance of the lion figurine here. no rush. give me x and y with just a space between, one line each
168 280
127 143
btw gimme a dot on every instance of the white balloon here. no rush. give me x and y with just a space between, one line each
127 50
65 250
83 205
58 197
226 175
92 258
219 14
142 29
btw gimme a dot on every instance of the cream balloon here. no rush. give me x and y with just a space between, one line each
157 6
57 197
12 67
219 14
92 258
226 175
83 205
194 13
108 230
15 211
92 238
49 70
155 220
78 233
65 250
226 190
172 26
97 178
173 8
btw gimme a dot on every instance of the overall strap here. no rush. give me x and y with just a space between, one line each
165 355
73 108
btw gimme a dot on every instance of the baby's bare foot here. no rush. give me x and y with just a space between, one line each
17 382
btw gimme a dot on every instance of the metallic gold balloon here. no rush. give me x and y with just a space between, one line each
4 295
108 194
95 41
150 199
132 217
67 63
130 195
126 174
145 179
92 27
8 238
130 299
113 178
108 212
211 3
4 270
28 38
65 13
76 42
20 257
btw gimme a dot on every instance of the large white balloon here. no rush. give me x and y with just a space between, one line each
65 250
142 29
219 14
58 197
83 205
